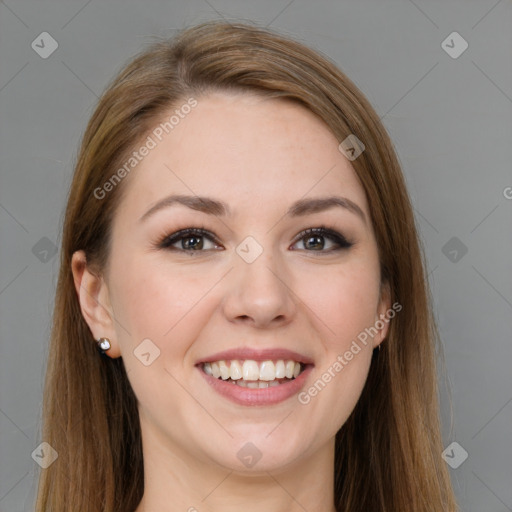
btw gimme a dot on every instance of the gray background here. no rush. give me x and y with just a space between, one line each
450 119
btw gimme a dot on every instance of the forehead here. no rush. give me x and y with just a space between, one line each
244 149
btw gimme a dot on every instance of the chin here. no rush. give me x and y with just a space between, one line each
259 453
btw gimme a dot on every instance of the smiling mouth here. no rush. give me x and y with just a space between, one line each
253 374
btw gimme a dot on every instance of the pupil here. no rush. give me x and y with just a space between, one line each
193 242
315 242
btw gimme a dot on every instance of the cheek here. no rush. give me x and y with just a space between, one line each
159 303
154 305
344 309
344 302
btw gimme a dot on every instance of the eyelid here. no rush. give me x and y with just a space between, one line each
167 240
339 238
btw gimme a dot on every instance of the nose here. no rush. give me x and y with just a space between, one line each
258 293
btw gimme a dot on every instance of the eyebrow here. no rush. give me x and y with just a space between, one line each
201 204
218 208
314 205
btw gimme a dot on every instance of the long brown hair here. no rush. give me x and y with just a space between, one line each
388 453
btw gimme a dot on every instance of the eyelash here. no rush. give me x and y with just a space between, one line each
168 240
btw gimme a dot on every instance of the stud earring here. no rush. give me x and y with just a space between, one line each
103 345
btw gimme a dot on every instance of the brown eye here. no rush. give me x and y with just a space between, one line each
189 240
322 240
314 242
192 242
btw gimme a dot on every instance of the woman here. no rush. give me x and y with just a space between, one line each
240 247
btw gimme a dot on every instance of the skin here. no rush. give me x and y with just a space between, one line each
259 156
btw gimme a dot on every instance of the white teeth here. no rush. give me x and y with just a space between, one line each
252 384
224 370
280 370
236 370
262 384
250 370
267 371
215 370
290 367
253 371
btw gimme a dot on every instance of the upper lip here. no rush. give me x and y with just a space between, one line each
269 354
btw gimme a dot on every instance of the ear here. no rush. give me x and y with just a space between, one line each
93 296
382 316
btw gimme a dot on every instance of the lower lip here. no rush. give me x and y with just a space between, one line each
263 396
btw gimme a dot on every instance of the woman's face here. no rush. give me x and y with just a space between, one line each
249 285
